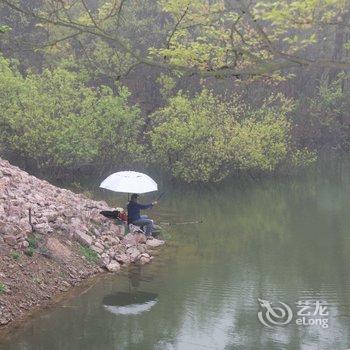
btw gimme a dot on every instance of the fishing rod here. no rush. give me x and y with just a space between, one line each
160 196
181 223
177 223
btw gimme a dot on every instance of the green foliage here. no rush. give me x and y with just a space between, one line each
4 28
33 241
90 255
2 288
15 255
55 120
30 251
323 123
167 85
204 139
73 114
216 36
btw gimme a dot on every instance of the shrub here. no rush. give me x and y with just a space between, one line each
204 139
321 121
54 120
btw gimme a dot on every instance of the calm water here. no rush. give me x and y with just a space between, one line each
278 240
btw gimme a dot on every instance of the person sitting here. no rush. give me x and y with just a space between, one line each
134 216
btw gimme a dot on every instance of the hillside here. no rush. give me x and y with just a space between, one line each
65 241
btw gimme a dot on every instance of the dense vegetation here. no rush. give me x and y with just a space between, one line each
202 90
52 120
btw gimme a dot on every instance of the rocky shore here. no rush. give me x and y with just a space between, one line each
51 239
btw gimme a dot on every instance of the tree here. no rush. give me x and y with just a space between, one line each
54 121
218 38
204 139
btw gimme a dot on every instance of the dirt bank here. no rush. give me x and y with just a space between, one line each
65 241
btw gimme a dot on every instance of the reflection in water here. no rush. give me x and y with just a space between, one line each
122 303
278 239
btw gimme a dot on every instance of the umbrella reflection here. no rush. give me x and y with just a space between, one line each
122 303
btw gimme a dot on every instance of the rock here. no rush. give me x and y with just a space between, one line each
113 266
11 240
96 232
24 226
24 244
120 230
65 284
140 237
154 242
83 238
51 216
122 258
2 227
113 240
134 253
99 245
43 228
105 261
144 260
10 228
58 249
142 248
5 320
97 249
129 240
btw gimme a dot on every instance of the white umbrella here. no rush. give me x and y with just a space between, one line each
129 182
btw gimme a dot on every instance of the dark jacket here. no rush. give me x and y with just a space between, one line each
134 210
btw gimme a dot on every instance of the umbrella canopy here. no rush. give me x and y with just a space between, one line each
129 182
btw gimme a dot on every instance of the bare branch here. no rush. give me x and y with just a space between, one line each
55 42
119 13
279 60
176 26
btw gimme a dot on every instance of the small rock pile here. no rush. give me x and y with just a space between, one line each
59 211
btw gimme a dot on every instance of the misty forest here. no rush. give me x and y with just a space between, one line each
201 90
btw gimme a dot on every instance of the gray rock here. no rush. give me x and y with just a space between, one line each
122 258
43 228
10 239
83 238
105 261
154 242
113 266
97 249
134 253
130 240
99 245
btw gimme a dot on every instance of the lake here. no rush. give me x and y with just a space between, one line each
285 241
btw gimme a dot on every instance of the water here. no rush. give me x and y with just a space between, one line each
279 240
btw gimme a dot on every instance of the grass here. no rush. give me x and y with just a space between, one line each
15 255
2 288
33 241
33 245
30 251
90 255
